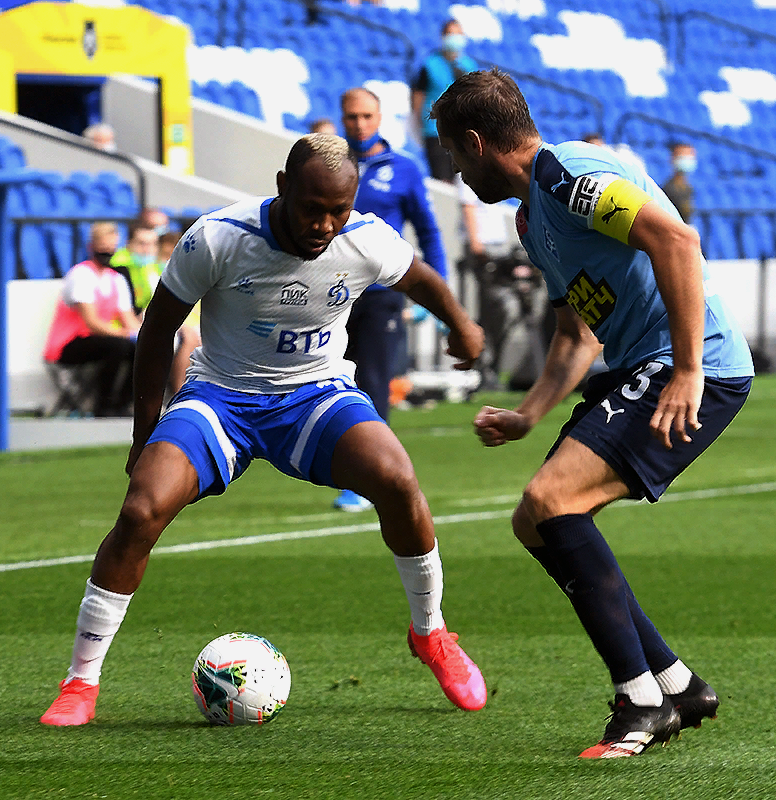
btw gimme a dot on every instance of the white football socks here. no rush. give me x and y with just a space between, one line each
643 690
421 577
675 679
99 618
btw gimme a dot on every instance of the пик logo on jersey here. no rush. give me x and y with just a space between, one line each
294 294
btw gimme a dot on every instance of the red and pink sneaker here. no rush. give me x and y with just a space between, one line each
75 704
458 675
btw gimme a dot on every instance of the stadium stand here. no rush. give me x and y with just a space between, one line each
645 74
704 71
51 213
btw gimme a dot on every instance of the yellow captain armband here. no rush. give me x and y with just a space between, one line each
617 207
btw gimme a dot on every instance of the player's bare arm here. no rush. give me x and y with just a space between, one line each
425 286
674 250
155 347
572 350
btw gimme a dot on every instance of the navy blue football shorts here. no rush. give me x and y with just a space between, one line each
221 431
613 421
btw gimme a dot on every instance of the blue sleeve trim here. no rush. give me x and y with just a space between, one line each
265 231
246 226
354 225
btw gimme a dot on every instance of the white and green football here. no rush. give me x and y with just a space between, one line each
240 679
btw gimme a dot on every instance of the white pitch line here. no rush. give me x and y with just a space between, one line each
342 530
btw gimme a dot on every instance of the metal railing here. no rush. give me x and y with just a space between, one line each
691 133
681 33
69 142
77 236
317 12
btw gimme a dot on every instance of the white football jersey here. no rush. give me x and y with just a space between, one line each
271 321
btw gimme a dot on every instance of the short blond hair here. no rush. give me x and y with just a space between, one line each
333 150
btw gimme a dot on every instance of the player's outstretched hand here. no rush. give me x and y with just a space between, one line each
466 343
497 426
677 408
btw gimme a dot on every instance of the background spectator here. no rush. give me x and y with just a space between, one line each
101 136
141 261
511 292
94 323
391 187
439 70
167 242
155 218
323 125
678 189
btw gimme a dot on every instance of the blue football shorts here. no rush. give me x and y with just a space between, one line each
613 421
221 431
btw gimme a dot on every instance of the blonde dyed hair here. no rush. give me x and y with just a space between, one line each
331 149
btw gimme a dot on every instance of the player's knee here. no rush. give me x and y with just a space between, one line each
141 521
537 502
395 483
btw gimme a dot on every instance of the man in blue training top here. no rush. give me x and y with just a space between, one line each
625 272
390 186
438 71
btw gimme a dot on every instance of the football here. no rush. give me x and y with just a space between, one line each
240 679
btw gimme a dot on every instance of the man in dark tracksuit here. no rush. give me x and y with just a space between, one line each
391 186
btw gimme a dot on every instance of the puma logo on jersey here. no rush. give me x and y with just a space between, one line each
610 412
607 217
561 182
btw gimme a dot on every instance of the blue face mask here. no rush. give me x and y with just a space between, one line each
686 163
144 260
454 42
162 229
365 146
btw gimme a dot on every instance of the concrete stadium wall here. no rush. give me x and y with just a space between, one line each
62 154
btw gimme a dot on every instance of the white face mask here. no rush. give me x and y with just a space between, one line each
454 42
686 164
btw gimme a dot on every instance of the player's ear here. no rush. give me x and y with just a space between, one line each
473 142
280 179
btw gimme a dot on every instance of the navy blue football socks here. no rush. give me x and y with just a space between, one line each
577 557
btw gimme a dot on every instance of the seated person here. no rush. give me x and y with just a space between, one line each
94 322
142 262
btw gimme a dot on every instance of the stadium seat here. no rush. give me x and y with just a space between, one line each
120 195
11 155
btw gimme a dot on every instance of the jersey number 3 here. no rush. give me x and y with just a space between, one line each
635 390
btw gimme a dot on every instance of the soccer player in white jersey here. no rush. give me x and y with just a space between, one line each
623 272
276 277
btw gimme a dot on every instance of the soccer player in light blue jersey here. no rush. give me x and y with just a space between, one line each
277 278
625 274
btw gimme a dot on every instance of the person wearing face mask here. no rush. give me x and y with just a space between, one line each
94 322
141 263
439 70
390 186
678 189
155 218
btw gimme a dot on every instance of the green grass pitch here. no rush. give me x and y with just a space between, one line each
364 719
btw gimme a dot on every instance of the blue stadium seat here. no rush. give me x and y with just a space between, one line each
11 155
121 196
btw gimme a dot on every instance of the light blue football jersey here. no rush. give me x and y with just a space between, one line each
610 284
